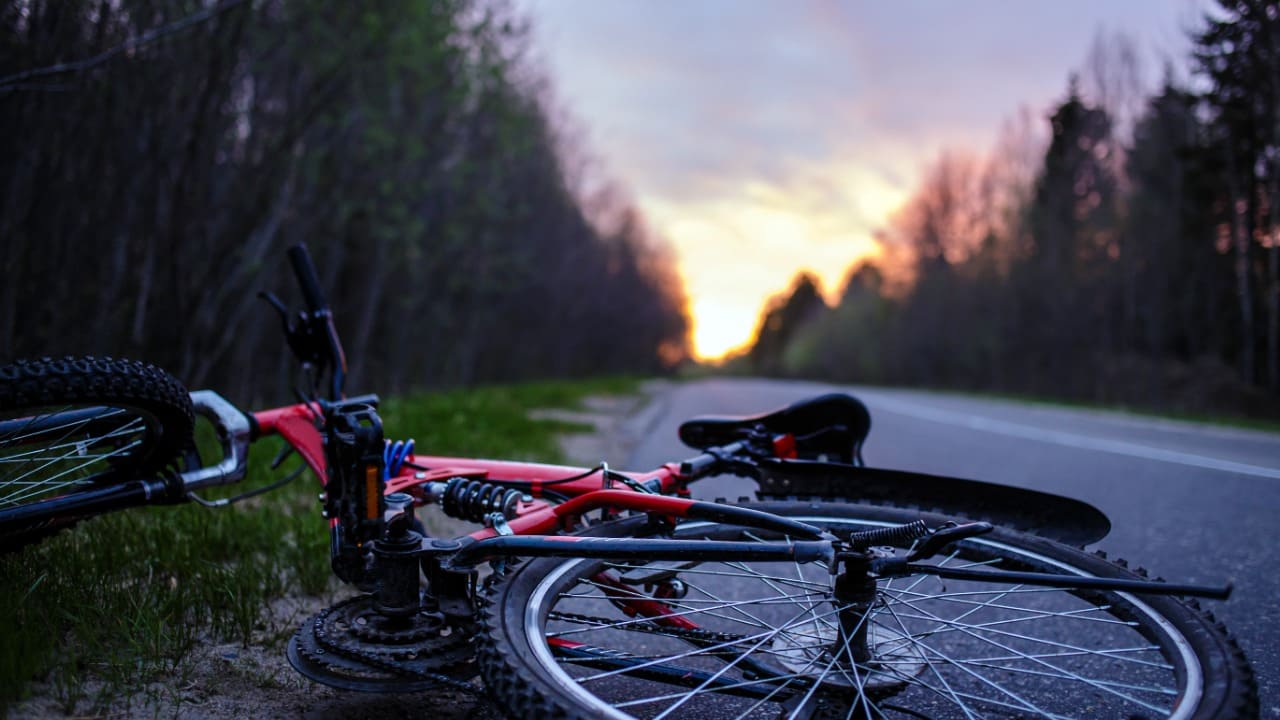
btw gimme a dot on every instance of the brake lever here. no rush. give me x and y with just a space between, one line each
280 308
950 532
927 546
302 338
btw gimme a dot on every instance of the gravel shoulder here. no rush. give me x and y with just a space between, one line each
219 681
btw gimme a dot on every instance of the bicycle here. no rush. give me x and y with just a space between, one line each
615 593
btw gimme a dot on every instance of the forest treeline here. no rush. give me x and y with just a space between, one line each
1132 256
159 157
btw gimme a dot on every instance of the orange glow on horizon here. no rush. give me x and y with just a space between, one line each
721 329
716 330
739 246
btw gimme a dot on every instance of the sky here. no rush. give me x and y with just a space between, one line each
761 138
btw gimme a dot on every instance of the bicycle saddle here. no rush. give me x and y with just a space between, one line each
829 427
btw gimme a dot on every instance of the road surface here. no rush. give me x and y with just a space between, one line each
1190 502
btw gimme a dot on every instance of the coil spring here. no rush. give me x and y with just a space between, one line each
899 535
473 499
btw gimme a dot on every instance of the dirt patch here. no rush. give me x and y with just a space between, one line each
219 681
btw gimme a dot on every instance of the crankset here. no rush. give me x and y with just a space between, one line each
352 646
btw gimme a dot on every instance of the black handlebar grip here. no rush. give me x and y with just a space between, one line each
698 466
306 273
706 462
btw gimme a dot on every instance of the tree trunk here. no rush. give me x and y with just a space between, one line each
374 286
1244 293
1273 285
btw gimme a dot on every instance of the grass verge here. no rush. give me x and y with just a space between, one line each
121 600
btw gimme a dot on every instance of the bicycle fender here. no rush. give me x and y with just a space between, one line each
1045 514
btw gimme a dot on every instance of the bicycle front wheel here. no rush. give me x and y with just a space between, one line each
593 638
71 424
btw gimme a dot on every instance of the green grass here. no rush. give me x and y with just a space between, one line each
122 599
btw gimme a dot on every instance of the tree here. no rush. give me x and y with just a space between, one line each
1178 303
148 198
1238 52
849 343
783 316
1066 286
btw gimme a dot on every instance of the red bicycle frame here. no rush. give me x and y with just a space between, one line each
588 490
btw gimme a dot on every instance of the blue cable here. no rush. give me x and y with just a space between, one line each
393 457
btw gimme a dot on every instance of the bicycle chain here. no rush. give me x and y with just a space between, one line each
692 634
373 661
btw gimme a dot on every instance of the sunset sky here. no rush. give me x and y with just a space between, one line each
761 138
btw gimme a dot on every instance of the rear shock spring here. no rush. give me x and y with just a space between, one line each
473 500
898 535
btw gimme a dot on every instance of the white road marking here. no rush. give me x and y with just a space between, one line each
1066 439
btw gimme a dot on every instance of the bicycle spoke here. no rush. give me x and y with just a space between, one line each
845 653
71 425
687 612
703 571
650 699
48 482
1079 614
769 643
1062 673
77 445
1027 671
953 627
809 664
59 451
752 619
757 638
766 637
73 448
950 691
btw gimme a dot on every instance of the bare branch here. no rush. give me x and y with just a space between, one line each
17 81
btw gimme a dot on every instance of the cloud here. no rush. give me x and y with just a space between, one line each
764 137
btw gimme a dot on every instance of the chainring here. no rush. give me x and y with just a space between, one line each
351 646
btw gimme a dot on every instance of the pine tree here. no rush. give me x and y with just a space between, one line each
1239 53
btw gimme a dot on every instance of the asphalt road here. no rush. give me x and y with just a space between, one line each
1190 502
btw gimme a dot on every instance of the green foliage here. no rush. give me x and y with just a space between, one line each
841 345
125 597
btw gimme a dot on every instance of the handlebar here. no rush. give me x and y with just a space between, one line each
315 339
711 460
234 434
305 270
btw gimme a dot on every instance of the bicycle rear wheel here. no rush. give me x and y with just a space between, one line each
758 639
73 424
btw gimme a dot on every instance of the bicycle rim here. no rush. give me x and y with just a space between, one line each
940 648
50 451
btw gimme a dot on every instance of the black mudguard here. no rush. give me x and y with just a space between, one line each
1052 516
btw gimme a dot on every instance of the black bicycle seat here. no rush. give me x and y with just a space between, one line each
829 427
